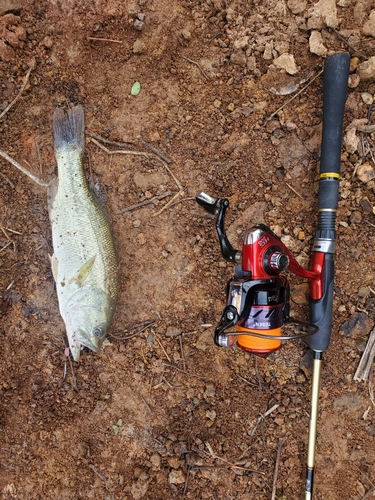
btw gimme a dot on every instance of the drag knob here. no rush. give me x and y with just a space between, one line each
278 261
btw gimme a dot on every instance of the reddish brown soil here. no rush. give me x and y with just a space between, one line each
186 411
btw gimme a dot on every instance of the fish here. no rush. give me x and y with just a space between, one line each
84 261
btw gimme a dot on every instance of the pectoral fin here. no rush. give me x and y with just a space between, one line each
54 266
82 274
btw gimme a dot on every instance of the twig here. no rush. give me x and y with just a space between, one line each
368 493
26 79
8 181
246 381
167 205
106 141
23 169
367 129
119 151
294 191
103 39
154 150
186 373
198 66
182 352
142 327
260 418
231 465
6 245
161 345
367 359
277 468
291 99
182 199
146 155
340 37
186 482
100 474
144 203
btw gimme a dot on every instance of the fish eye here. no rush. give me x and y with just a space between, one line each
98 331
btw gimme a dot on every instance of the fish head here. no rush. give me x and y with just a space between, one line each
88 315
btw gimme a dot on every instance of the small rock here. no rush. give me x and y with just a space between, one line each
241 43
286 61
366 205
366 172
356 217
186 35
297 6
363 292
358 326
306 363
289 242
238 57
369 26
211 415
6 52
47 42
353 81
141 238
176 477
139 47
267 54
326 10
138 25
354 61
217 103
316 44
172 331
351 141
300 294
366 70
141 16
10 7
155 461
367 98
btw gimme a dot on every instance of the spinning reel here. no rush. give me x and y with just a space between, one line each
258 295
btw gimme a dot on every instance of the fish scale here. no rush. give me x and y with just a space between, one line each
84 263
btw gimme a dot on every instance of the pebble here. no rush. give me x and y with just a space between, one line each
351 141
366 70
367 98
176 477
366 172
238 57
297 6
316 44
47 42
138 25
211 414
10 6
356 217
326 10
286 61
360 324
369 26
353 81
139 47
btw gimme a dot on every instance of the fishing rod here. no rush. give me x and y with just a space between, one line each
335 84
257 296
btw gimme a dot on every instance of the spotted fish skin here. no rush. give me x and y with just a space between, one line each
84 262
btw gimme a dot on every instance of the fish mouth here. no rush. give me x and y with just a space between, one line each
77 340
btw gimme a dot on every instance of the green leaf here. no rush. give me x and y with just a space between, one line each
116 429
119 422
136 88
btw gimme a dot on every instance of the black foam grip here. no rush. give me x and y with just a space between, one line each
335 84
321 310
328 193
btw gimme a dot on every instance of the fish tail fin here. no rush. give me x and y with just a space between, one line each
69 128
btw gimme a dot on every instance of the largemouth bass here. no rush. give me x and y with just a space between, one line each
84 263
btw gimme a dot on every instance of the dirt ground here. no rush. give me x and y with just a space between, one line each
165 414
